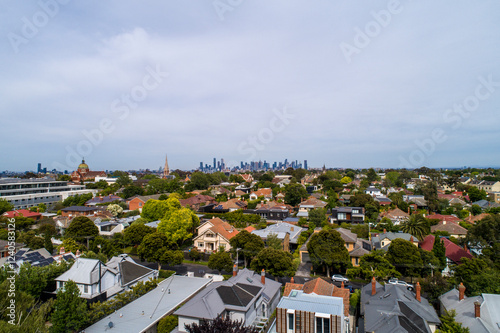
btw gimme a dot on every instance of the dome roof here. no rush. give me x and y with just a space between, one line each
83 165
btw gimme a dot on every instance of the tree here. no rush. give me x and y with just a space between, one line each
250 245
81 227
439 251
346 180
167 324
449 325
417 226
153 246
317 216
475 194
194 254
327 250
172 258
485 231
48 243
70 245
429 190
178 224
371 175
405 257
294 193
220 325
478 275
70 311
274 242
476 210
114 209
275 262
135 233
373 264
360 200
131 190
220 261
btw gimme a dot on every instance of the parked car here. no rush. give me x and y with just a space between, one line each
401 283
351 289
339 278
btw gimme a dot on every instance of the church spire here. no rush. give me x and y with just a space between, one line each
166 169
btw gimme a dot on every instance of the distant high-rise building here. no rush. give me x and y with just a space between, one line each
201 166
214 162
39 168
305 164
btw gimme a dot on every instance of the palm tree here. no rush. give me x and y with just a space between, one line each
416 225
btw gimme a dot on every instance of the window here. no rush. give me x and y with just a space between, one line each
86 289
200 244
355 211
322 325
341 216
290 322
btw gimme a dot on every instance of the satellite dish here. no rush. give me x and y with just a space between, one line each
111 325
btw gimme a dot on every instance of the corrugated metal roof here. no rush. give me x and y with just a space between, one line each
313 303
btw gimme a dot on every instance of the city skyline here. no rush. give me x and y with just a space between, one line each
389 84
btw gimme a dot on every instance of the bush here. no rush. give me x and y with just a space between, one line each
164 273
167 324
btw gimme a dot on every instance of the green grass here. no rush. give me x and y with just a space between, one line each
204 263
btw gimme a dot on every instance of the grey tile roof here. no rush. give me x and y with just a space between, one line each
490 311
208 304
281 229
395 307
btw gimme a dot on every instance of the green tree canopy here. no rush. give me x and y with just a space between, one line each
220 261
405 257
294 193
416 225
327 250
80 228
275 262
317 216
439 251
70 311
274 242
178 224
373 264
154 246
136 232
5 206
250 245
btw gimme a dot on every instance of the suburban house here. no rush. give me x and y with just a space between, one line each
396 216
98 281
271 211
473 219
103 200
383 200
443 218
357 247
453 252
485 204
267 193
74 211
40 257
480 314
137 201
319 286
248 178
393 308
347 215
286 232
373 191
419 200
214 233
310 313
383 240
246 296
4 248
309 204
24 213
454 229
198 201
231 205
487 185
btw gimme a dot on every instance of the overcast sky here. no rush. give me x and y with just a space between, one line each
341 83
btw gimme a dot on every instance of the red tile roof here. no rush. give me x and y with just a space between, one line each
22 212
265 192
196 200
451 227
453 252
223 228
448 218
250 228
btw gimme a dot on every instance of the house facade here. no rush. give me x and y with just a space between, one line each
348 215
214 233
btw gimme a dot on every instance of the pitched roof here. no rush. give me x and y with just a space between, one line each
319 286
280 229
265 192
396 213
145 198
347 235
196 200
451 227
221 228
249 228
312 303
21 212
80 209
448 218
473 219
312 201
453 252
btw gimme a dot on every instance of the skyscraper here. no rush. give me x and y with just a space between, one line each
305 164
215 162
39 168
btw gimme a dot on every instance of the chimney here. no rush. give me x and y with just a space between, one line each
291 280
418 292
465 247
291 229
461 291
374 286
235 270
342 285
408 210
385 231
263 276
78 253
61 250
477 309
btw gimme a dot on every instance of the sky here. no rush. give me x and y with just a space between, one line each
358 84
